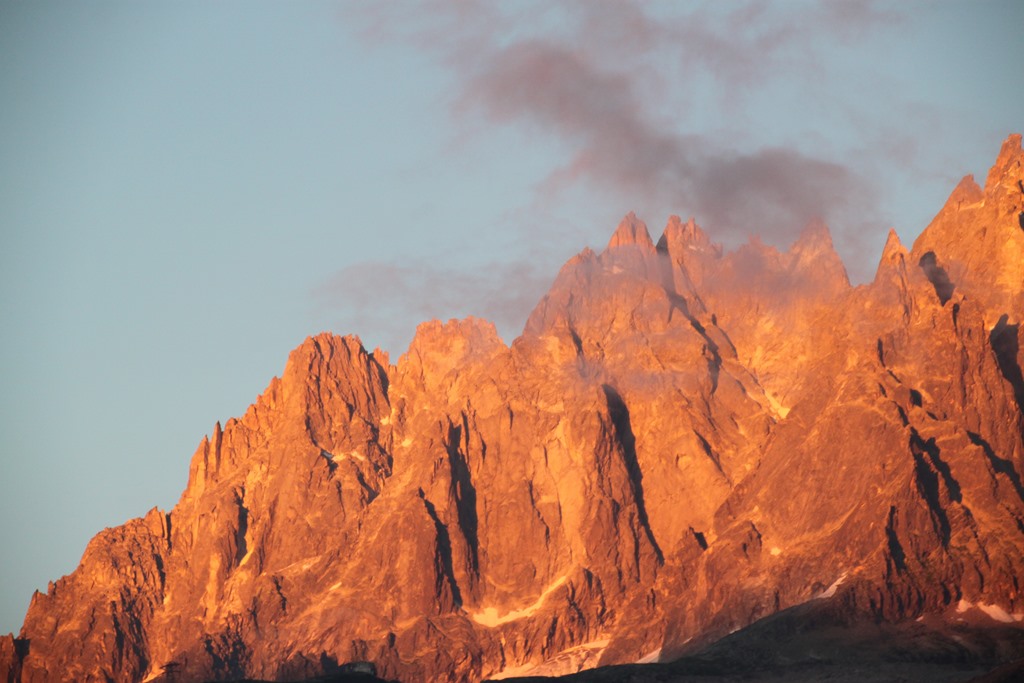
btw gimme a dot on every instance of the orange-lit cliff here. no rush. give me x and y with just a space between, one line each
683 440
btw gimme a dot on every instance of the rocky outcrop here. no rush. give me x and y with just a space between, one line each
683 440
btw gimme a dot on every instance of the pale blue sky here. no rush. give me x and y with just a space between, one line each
187 190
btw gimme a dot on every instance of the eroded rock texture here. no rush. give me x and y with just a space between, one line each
681 442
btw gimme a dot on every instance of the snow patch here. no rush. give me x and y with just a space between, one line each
651 657
513 672
337 458
406 442
776 551
568 661
831 590
304 566
489 615
592 645
996 612
777 407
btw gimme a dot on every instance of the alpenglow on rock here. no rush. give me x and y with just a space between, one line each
682 441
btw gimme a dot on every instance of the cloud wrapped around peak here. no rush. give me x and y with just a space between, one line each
646 106
604 106
625 90
389 299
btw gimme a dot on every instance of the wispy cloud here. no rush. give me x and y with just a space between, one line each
607 85
773 191
617 86
390 299
614 83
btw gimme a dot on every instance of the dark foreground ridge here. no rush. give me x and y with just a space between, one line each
813 643
326 678
352 672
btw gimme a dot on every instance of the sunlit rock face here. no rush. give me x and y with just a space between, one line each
682 441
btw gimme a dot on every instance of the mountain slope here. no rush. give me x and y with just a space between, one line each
681 442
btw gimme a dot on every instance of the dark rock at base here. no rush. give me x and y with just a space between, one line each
1013 672
814 643
340 677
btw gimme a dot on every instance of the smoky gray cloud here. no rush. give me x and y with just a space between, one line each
615 86
771 191
606 93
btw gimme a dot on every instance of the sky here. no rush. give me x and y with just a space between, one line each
188 190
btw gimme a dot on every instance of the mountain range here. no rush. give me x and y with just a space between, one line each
684 443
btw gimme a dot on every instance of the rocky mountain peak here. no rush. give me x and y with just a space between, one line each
814 256
893 246
631 232
679 237
1009 163
616 486
815 237
439 351
966 193
977 239
473 336
894 255
321 347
